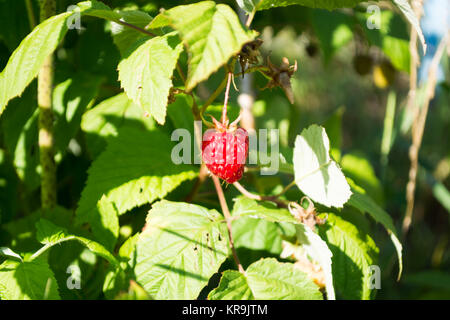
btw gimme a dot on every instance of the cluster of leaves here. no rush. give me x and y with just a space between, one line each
182 245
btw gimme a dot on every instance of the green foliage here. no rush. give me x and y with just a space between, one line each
24 63
108 117
145 74
267 279
365 204
115 80
250 5
353 253
180 248
203 27
50 235
28 280
136 168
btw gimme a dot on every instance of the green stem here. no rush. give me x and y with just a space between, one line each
46 139
225 103
31 18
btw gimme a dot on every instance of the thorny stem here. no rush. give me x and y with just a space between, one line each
417 134
227 215
46 139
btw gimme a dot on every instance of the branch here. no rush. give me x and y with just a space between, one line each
248 194
417 133
132 26
227 215
46 140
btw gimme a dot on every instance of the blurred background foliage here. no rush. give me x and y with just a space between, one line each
350 79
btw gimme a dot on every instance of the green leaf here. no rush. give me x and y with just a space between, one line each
180 248
124 36
322 4
245 207
334 30
364 204
26 60
353 253
257 238
145 74
70 100
233 286
136 168
357 167
50 235
106 225
212 33
255 229
319 252
316 174
7 252
29 280
20 123
406 9
267 279
20 130
106 119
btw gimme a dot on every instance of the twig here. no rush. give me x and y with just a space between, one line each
129 25
258 197
46 139
417 134
214 95
227 215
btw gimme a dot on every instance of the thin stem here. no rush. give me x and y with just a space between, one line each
225 103
250 18
228 219
417 134
214 95
46 139
180 72
219 89
135 28
258 197
202 175
31 18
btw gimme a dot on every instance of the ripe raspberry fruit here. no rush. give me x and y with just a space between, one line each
225 150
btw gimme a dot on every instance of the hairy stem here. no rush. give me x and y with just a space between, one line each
227 215
225 103
248 194
46 139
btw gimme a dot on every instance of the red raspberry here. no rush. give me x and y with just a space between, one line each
224 151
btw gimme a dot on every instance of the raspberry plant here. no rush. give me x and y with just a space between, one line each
144 226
